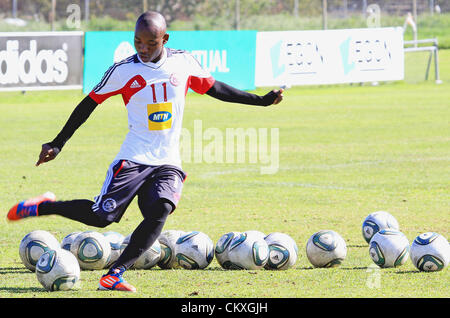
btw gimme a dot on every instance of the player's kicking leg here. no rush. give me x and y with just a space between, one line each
29 207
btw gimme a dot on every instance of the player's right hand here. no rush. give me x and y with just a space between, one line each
47 153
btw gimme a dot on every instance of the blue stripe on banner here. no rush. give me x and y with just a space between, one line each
228 55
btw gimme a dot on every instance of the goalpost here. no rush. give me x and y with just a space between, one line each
432 48
413 46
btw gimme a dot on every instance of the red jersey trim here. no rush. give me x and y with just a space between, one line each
134 85
100 98
200 85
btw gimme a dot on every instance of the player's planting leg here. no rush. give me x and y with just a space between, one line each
141 239
145 234
113 280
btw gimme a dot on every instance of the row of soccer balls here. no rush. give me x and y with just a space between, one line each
57 265
388 247
173 249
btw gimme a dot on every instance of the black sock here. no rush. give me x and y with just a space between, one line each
78 210
145 234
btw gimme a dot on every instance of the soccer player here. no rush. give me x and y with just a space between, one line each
153 84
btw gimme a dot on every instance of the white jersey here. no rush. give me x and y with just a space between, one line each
154 95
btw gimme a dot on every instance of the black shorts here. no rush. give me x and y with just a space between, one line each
126 179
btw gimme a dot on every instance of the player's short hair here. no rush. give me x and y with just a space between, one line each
150 18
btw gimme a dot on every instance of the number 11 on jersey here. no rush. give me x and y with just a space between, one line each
159 114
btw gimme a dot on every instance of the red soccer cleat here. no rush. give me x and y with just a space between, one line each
115 281
29 207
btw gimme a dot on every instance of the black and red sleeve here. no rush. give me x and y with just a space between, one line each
227 93
79 115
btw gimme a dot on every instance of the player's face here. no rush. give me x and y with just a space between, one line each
149 43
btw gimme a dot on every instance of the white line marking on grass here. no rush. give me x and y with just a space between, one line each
307 185
360 163
323 166
208 175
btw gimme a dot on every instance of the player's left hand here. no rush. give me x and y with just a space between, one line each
47 153
279 98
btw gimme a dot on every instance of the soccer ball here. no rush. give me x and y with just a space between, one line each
33 245
430 252
194 250
92 250
389 248
146 260
149 258
377 221
248 251
326 248
257 233
68 240
115 241
221 250
124 243
283 251
58 270
167 240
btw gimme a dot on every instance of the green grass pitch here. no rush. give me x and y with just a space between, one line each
344 151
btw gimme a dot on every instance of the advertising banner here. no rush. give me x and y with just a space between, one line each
41 60
228 55
329 56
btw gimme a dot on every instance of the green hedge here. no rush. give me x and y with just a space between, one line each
437 26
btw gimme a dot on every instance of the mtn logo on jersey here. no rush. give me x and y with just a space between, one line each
159 116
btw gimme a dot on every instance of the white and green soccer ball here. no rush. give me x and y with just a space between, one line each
167 240
194 250
430 252
377 221
221 249
257 233
283 251
149 258
248 251
326 248
115 240
33 245
92 250
58 270
389 248
68 240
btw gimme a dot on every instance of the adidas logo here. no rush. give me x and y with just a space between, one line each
135 84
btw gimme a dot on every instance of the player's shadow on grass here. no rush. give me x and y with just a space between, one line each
21 290
409 272
210 269
14 270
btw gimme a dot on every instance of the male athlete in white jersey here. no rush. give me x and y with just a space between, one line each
153 84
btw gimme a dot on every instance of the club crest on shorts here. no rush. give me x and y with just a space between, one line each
109 205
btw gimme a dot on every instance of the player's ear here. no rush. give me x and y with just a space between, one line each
165 38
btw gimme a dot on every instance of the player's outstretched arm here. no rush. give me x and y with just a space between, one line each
227 93
79 115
